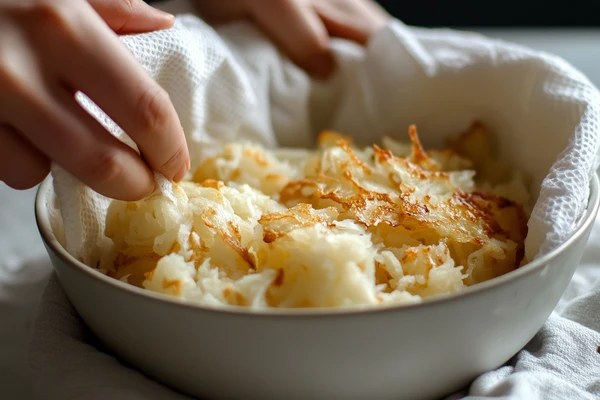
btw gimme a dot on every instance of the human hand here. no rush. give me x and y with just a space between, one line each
303 28
50 50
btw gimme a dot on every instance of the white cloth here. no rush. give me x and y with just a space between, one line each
235 84
562 362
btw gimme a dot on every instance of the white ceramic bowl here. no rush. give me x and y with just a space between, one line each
413 352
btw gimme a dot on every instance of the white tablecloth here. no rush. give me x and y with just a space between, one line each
24 266
24 270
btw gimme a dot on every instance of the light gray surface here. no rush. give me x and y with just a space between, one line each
581 47
24 269
24 266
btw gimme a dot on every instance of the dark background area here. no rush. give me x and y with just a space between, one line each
507 13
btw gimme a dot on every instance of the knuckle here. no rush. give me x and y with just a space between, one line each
129 6
152 109
127 10
51 14
106 167
174 163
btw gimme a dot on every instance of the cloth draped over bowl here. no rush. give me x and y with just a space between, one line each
232 83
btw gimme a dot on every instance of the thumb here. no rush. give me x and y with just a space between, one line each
131 16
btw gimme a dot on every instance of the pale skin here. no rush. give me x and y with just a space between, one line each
51 49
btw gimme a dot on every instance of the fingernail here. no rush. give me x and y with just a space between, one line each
321 66
167 16
162 14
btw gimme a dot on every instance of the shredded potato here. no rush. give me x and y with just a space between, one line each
331 227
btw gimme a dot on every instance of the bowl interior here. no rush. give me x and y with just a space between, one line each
50 228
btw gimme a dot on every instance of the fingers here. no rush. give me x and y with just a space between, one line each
22 166
68 135
222 12
37 98
355 20
98 159
299 31
131 16
112 78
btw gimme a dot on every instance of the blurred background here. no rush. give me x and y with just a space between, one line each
507 13
568 29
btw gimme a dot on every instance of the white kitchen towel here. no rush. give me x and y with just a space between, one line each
233 83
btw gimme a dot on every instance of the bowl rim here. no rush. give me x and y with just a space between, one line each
45 189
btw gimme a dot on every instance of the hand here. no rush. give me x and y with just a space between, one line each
303 27
51 49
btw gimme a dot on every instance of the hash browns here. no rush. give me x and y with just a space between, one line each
331 227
